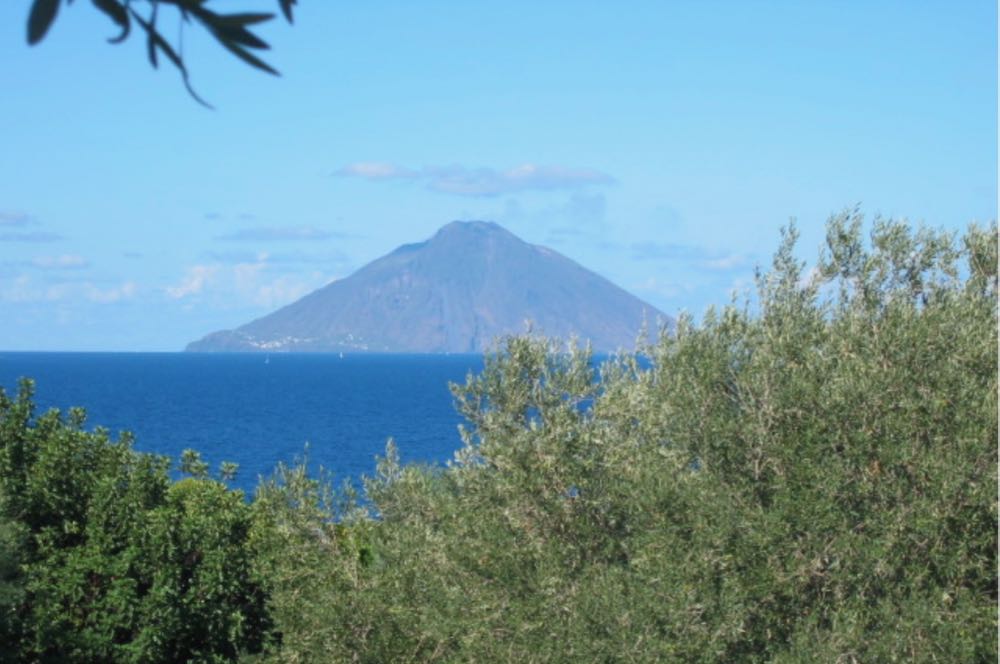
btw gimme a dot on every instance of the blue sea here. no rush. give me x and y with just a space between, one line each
257 410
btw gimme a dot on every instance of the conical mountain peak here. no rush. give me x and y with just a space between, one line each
471 282
474 232
471 227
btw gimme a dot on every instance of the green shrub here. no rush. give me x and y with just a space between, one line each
114 563
809 476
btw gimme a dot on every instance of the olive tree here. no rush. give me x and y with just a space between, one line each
806 476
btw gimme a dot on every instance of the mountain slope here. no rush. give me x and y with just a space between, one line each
456 292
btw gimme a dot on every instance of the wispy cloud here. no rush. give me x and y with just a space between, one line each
10 219
729 262
256 282
663 288
252 285
279 234
481 181
25 289
665 251
125 291
48 263
242 216
30 237
376 170
214 215
63 262
694 256
583 217
490 182
237 256
282 257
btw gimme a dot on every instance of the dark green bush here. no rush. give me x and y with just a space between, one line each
112 562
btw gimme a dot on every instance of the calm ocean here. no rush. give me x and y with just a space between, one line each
256 409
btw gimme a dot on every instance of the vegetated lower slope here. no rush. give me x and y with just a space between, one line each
813 479
456 292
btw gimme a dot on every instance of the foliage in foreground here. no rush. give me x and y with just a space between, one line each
232 31
811 478
103 559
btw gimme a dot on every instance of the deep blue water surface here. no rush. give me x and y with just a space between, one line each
258 410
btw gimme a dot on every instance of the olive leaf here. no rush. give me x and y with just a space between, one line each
42 15
117 13
230 30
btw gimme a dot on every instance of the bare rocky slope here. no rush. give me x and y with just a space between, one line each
470 283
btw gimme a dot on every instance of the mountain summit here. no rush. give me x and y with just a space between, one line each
456 292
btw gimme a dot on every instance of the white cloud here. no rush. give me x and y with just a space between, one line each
21 289
278 234
281 291
482 181
126 291
246 275
254 286
194 281
251 282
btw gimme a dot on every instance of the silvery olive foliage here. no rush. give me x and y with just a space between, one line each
810 475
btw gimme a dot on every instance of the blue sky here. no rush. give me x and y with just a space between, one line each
661 144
